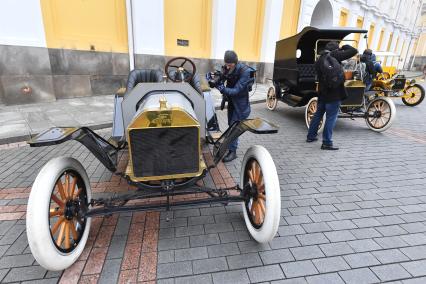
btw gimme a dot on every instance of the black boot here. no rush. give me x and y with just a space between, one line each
328 147
232 155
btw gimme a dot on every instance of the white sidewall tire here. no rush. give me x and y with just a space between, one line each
392 114
271 222
314 99
37 221
274 105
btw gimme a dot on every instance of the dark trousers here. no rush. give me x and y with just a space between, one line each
331 111
232 117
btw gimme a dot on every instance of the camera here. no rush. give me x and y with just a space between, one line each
217 77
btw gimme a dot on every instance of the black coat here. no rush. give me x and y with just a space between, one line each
330 95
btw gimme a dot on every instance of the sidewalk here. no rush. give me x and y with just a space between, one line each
19 123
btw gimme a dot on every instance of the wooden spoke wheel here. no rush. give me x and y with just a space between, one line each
261 189
256 205
57 231
310 110
413 95
380 114
66 200
271 99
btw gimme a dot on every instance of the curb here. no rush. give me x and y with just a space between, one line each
24 138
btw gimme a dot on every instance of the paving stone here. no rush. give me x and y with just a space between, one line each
218 228
330 264
176 243
306 252
339 236
252 246
25 273
415 239
265 273
331 278
117 246
209 265
416 268
196 279
166 256
244 261
415 252
231 277
391 242
123 226
284 242
223 250
390 272
16 261
364 245
276 256
390 256
290 230
191 253
312 239
204 240
420 280
174 269
189 231
298 268
342 225
414 227
391 230
336 249
361 260
366 233
358 276
110 271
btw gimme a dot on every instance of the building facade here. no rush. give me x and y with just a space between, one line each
53 49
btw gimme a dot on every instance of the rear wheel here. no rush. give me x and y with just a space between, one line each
380 114
310 110
271 99
259 180
57 232
414 95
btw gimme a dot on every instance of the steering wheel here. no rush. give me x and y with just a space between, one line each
176 71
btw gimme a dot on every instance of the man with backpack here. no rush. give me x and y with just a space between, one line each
331 91
239 80
370 70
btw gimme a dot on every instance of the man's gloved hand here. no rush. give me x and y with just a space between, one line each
220 87
223 103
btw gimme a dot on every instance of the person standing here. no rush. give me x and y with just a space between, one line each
238 84
331 91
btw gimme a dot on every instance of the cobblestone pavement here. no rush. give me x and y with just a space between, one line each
357 215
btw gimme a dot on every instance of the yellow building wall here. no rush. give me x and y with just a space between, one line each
290 18
99 25
359 24
343 20
188 20
248 29
371 35
388 48
379 44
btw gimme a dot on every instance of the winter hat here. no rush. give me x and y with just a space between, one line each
332 45
230 57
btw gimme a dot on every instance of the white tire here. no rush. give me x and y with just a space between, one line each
61 219
310 110
271 99
385 108
259 173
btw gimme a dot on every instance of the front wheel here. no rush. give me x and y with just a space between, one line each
271 99
310 110
380 114
56 230
259 180
413 95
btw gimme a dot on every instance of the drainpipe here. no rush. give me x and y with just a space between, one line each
129 13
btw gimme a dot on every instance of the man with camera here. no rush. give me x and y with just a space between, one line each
239 79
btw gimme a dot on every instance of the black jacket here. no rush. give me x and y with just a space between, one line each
331 95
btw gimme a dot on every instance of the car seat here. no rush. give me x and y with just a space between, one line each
137 76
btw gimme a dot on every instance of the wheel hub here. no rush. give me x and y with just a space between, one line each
71 209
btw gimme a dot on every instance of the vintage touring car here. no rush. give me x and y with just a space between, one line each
295 81
163 126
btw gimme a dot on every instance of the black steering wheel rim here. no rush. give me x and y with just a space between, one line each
180 68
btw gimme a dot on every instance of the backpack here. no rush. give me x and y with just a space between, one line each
332 72
252 76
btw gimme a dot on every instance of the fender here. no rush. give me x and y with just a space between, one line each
255 125
102 149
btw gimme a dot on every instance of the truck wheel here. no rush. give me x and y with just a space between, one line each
261 187
414 95
380 114
271 99
310 110
56 231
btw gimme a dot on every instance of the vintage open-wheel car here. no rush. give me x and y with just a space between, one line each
394 85
163 126
295 82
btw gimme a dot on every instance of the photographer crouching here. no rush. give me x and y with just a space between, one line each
239 79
